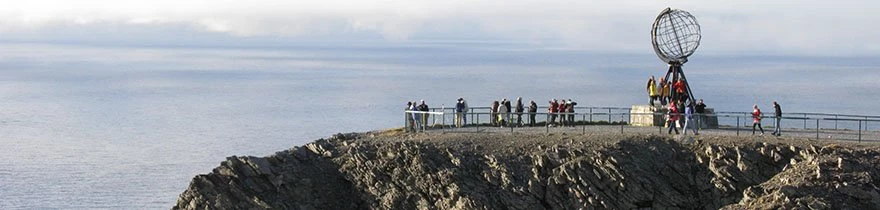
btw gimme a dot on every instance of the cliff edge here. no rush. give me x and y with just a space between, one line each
545 171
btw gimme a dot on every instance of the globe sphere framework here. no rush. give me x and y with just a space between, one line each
675 35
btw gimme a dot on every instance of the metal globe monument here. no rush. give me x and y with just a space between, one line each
676 36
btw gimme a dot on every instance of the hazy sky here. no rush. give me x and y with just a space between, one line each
840 27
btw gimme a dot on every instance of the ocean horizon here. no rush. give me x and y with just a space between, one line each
127 127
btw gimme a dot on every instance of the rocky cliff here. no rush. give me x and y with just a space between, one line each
541 171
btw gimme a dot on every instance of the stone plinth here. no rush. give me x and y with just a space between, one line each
646 115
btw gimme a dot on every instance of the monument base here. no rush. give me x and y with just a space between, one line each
647 115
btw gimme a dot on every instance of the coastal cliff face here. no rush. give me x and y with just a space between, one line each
540 171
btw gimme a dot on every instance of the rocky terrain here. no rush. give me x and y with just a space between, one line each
388 170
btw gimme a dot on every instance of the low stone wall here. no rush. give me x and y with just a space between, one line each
646 115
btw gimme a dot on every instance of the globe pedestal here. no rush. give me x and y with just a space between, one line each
647 115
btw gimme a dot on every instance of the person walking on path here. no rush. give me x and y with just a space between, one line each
652 90
756 115
519 111
672 117
689 120
777 130
533 109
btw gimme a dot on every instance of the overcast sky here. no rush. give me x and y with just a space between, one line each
840 27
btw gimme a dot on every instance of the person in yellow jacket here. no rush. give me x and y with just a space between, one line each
652 90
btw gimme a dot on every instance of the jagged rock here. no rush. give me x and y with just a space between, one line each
475 171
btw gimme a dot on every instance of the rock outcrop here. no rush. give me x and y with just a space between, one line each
504 171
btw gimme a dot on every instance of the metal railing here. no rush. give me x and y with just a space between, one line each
602 119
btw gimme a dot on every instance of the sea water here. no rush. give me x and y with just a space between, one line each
127 127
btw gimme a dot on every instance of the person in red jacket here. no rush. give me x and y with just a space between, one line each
672 117
680 90
562 116
756 115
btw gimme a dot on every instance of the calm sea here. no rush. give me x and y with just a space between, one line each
128 127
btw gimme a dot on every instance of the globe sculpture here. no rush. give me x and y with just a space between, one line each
676 36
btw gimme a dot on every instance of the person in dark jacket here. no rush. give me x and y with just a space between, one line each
777 131
533 109
700 109
493 114
552 112
424 107
519 111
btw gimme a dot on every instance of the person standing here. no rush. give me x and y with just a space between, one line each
672 118
409 117
502 113
562 116
424 107
533 110
569 105
688 120
459 113
700 109
417 125
756 116
680 90
493 115
508 109
552 112
652 90
777 131
664 91
465 111
519 111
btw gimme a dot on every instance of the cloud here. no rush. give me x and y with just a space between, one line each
786 26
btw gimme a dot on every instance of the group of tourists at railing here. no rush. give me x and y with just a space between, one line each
561 113
417 121
564 110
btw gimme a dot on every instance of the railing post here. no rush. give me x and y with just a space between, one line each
591 114
835 121
860 131
805 121
621 124
737 125
609 115
584 126
442 127
817 129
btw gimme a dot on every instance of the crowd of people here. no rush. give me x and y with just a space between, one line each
503 113
667 91
681 112
676 94
417 121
